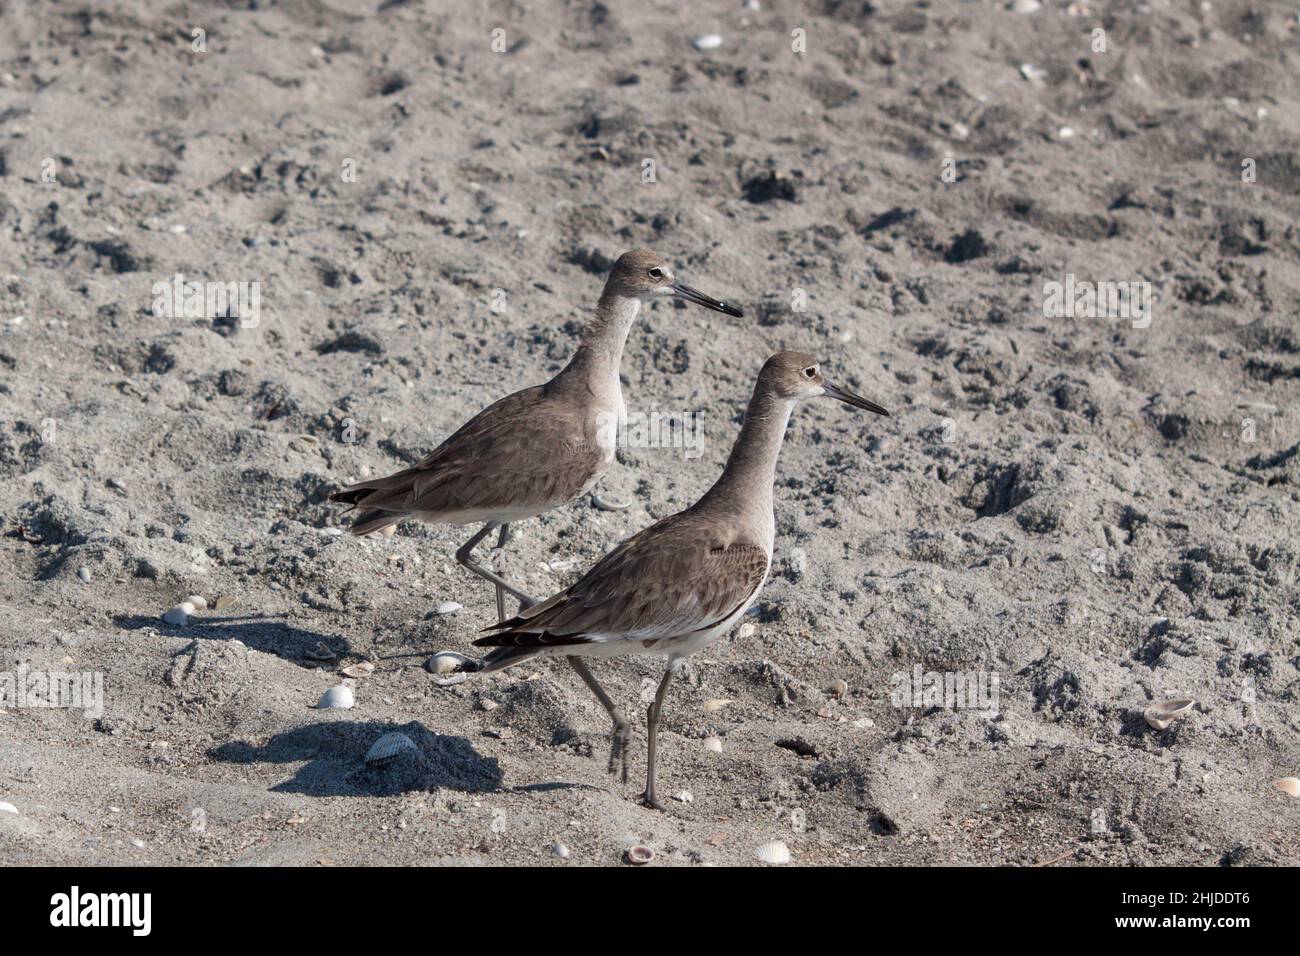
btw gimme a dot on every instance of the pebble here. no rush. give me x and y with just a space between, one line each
709 41
716 703
364 669
1026 6
1033 74
84 574
714 744
683 796
339 697
560 850
864 723
447 607
487 704
1066 132
199 603
839 688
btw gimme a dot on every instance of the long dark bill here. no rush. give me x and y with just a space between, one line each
857 401
699 298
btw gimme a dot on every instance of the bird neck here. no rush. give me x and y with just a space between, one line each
745 487
600 353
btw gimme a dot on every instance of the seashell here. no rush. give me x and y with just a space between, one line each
683 796
1289 785
774 852
1025 6
179 616
716 703
1165 713
838 688
1034 74
714 744
338 697
639 855
387 748
199 603
604 504
447 607
561 851
364 669
746 630
84 574
709 41
7 807
451 681
388 531
446 662
225 601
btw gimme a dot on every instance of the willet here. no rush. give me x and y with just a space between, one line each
536 449
684 581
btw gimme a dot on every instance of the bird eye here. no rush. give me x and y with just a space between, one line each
656 273
810 371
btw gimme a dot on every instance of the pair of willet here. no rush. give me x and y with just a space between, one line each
670 589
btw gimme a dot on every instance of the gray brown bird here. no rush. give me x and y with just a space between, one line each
685 581
534 450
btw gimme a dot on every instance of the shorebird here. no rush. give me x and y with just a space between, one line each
536 449
683 582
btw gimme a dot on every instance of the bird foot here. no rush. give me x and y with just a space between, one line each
648 800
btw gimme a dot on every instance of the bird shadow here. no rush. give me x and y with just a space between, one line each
271 634
333 762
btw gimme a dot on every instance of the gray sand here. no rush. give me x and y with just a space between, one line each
1100 514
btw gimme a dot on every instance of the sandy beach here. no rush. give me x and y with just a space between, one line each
251 252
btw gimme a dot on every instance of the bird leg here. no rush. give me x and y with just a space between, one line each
464 557
652 728
622 729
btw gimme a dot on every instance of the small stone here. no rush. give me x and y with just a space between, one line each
683 796
560 850
179 616
84 574
714 744
7 807
487 704
745 630
198 601
1026 6
839 688
709 41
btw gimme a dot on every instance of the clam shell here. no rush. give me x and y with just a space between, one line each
447 607
1163 714
639 855
387 748
774 852
179 616
338 697
1289 785
714 744
561 851
446 662
7 807
363 669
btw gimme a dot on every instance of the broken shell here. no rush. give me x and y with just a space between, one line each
446 662
716 703
838 688
364 669
1289 785
710 41
639 855
774 852
1165 713
198 601
179 616
447 607
387 748
561 851
714 744
746 630
683 796
604 504
225 601
339 697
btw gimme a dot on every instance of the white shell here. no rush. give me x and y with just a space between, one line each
604 504
714 744
716 703
561 851
1289 785
363 669
774 852
447 607
683 796
198 601
446 662
1026 6
710 41
7 807
386 748
339 697
639 855
179 616
84 574
1163 714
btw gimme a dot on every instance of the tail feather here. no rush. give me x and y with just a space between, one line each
369 521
